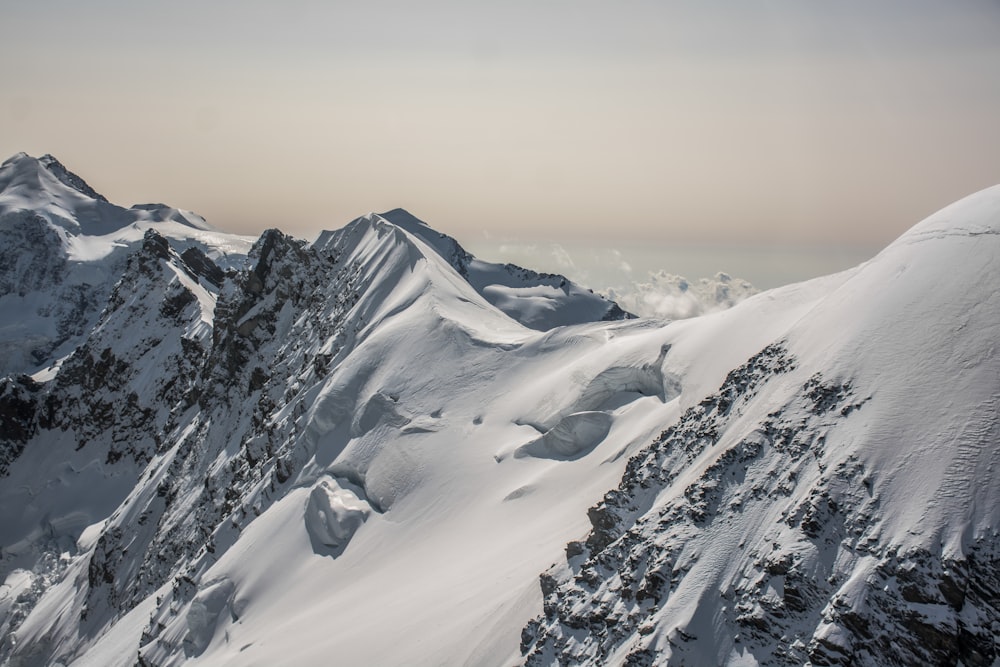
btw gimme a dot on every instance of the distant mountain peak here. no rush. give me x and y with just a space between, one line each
20 155
59 170
25 166
63 248
539 301
402 217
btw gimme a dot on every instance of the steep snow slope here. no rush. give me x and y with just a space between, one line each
349 450
62 248
835 502
196 408
372 427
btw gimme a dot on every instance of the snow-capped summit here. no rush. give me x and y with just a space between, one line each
539 301
36 174
333 443
41 174
47 188
62 248
57 168
60 236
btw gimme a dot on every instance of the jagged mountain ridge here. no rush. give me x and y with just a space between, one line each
351 436
537 300
63 247
180 355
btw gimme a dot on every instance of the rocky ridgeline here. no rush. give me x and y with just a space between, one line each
176 399
235 456
201 440
689 504
18 417
178 386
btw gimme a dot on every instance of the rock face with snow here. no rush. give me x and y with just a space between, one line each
63 247
235 453
834 502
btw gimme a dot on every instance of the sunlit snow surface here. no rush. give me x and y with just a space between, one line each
442 454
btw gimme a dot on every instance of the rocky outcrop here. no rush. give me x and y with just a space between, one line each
818 588
18 417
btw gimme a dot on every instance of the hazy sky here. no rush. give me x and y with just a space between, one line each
757 121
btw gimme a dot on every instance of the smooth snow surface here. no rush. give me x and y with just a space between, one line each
376 444
917 327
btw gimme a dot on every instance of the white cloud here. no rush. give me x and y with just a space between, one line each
673 297
515 249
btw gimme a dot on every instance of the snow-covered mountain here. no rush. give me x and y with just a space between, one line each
376 449
539 301
63 247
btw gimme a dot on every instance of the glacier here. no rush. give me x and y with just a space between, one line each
378 449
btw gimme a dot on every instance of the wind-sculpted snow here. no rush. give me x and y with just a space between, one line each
290 459
796 516
332 515
575 435
203 615
197 402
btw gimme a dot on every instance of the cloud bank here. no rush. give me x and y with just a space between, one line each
672 297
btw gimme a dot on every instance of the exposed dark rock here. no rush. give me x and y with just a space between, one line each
155 245
201 265
19 400
920 609
69 178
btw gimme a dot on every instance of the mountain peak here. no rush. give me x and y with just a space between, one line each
402 218
25 169
16 157
348 430
538 301
973 215
69 178
44 185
